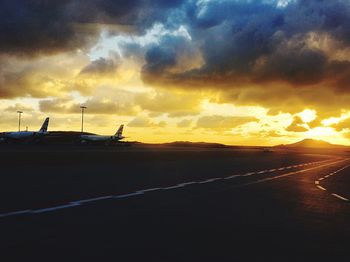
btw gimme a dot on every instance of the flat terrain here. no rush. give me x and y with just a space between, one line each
156 203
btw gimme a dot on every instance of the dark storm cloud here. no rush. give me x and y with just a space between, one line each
257 43
36 26
239 40
159 59
322 16
253 51
29 27
173 53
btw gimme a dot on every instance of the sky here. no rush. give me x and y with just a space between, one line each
240 72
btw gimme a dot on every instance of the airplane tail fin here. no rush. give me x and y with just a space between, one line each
45 125
119 132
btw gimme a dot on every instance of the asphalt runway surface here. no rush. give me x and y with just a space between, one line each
173 204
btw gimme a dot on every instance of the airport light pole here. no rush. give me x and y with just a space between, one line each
19 120
82 118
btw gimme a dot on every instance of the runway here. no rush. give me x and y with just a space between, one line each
271 175
228 205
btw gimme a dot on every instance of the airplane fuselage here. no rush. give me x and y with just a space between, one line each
96 138
19 135
25 135
107 139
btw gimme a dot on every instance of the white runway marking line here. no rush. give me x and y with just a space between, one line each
322 188
150 189
189 183
289 174
272 170
92 199
209 180
43 210
172 187
331 174
15 213
137 193
230 177
249 174
340 197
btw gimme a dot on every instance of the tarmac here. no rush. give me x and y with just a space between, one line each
158 203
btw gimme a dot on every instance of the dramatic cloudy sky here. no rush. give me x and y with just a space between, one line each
233 71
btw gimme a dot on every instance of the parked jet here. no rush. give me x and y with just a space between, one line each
26 135
85 139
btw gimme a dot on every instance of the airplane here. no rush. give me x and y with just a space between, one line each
26 135
85 139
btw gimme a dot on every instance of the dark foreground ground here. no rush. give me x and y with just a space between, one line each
173 204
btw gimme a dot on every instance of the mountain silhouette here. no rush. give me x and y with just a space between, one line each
312 143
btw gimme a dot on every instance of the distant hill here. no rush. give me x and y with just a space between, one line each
195 144
312 143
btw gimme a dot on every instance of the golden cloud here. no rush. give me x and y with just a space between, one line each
297 125
220 123
142 121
